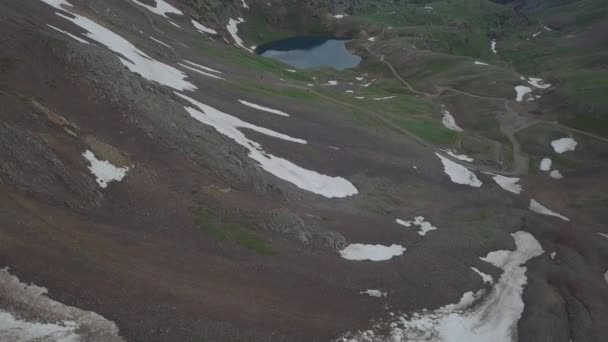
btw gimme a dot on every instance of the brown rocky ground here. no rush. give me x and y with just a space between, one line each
135 254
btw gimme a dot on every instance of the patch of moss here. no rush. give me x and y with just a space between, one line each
224 229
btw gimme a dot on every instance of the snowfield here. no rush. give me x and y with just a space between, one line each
103 170
361 252
134 59
458 173
228 125
475 318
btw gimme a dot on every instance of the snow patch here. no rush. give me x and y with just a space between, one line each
480 63
103 170
308 180
458 173
522 91
552 255
68 34
265 109
162 43
202 28
603 235
538 83
54 320
564 145
202 67
555 174
493 46
331 83
384 98
200 71
462 157
340 16
545 164
536 207
233 29
161 8
361 252
174 24
475 318
419 221
448 120
374 293
508 183
134 59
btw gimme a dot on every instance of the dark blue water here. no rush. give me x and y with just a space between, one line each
311 52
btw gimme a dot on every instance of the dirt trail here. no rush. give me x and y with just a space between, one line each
515 119
520 160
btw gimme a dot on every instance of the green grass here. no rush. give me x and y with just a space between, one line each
460 27
428 129
267 90
237 56
222 228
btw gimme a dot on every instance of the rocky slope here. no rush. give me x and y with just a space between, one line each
159 182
